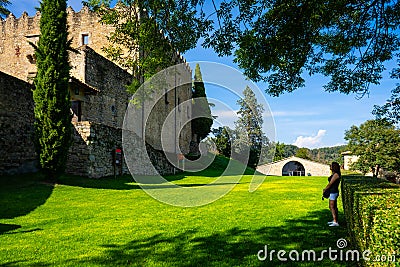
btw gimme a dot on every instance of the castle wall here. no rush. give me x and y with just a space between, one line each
17 152
91 153
87 23
16 54
170 115
14 47
108 106
145 159
103 110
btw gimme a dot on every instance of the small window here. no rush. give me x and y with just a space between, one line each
76 110
166 97
31 59
85 39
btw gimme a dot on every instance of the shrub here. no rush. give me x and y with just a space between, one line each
371 209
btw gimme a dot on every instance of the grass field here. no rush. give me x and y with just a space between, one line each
108 222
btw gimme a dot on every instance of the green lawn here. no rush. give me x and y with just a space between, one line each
83 222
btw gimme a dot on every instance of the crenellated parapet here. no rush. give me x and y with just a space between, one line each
25 23
16 54
13 25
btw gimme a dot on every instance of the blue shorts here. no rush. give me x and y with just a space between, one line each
333 196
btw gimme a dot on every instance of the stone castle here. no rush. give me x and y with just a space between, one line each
98 101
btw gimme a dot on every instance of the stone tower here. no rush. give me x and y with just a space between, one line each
98 99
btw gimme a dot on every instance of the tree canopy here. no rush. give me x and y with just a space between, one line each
148 34
278 42
303 153
377 143
391 109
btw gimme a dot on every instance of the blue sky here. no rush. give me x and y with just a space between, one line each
308 117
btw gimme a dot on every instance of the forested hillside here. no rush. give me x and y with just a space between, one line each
328 154
323 155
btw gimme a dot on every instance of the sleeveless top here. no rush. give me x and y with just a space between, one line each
335 186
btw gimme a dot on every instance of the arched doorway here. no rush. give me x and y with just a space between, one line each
293 168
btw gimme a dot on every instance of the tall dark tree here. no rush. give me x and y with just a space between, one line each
3 10
201 125
249 135
223 139
51 94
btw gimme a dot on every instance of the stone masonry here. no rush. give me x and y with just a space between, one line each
16 54
98 94
17 152
108 105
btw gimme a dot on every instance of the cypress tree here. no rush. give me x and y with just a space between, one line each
51 94
201 108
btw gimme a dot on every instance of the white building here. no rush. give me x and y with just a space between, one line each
294 166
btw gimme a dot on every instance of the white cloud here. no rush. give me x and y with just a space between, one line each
310 141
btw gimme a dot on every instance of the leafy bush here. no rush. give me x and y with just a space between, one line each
371 209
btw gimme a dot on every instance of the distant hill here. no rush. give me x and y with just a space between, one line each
328 154
323 155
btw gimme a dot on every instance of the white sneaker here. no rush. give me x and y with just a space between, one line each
334 224
330 222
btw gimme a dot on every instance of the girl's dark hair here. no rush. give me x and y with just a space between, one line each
336 168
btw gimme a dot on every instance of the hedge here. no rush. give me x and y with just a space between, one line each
372 210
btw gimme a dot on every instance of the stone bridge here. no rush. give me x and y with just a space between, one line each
294 166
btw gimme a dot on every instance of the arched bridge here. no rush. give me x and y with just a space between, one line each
294 166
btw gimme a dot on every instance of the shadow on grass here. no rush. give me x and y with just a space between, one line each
127 183
119 183
20 195
233 247
20 263
8 227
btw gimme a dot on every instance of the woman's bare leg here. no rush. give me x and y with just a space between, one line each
334 210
